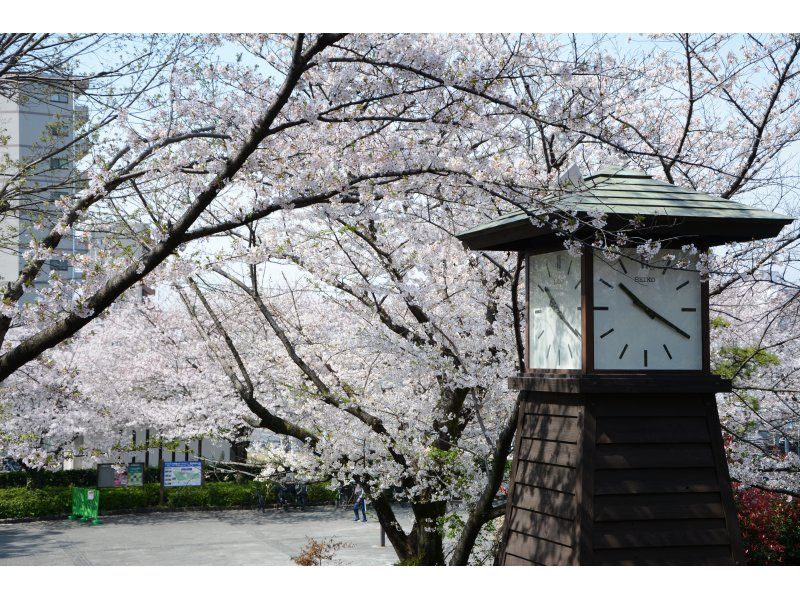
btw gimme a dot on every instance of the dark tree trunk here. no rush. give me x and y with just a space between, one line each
239 451
482 510
426 536
399 540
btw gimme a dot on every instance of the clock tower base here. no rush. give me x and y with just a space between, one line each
615 472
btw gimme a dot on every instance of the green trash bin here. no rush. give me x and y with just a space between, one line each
85 505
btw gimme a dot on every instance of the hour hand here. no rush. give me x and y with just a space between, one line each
651 312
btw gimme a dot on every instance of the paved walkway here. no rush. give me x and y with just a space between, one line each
195 538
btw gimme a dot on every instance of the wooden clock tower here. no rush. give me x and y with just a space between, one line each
618 454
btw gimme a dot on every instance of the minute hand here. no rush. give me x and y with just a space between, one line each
559 313
650 312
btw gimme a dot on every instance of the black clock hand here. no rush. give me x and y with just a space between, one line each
650 312
556 309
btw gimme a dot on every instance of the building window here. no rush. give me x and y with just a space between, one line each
60 98
60 265
56 163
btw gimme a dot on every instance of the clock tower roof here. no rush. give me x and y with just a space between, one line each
663 211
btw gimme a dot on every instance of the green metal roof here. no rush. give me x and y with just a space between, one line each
620 193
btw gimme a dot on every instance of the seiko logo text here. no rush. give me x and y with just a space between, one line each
644 279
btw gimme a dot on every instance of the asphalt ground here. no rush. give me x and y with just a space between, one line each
196 538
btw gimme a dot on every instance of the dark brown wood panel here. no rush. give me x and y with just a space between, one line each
651 429
654 406
672 555
547 451
560 409
658 506
546 427
514 561
542 526
542 500
554 477
677 532
625 456
537 550
619 479
659 481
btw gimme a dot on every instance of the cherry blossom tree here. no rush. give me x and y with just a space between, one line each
347 163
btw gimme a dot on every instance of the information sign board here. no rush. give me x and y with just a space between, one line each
111 475
178 474
136 474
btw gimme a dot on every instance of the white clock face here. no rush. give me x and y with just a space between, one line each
647 317
554 311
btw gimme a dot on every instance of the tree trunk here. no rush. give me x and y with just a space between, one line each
482 510
399 540
427 533
239 451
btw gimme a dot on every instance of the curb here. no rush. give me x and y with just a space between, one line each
149 510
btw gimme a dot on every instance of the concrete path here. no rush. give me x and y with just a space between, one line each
195 538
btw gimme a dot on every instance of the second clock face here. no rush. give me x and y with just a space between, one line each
554 310
646 316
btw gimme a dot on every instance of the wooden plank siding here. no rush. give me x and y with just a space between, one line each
643 484
657 493
540 523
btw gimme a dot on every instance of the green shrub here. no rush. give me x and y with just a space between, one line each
25 502
69 477
21 502
320 492
119 499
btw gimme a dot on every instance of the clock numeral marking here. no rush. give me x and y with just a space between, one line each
548 351
558 262
680 286
549 274
622 265
569 348
558 361
688 309
667 350
645 358
540 334
607 332
610 286
569 267
599 308
540 288
577 284
621 353
537 311
579 308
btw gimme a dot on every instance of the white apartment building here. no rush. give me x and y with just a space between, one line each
33 127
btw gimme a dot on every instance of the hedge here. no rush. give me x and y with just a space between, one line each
21 502
770 524
88 477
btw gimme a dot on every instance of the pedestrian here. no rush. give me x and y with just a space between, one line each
262 500
302 494
360 502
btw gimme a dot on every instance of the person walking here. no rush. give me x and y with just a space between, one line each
360 502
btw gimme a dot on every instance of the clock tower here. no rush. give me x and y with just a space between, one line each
618 455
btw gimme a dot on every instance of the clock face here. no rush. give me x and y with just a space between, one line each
554 311
647 316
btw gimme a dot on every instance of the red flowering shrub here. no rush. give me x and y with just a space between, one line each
770 524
